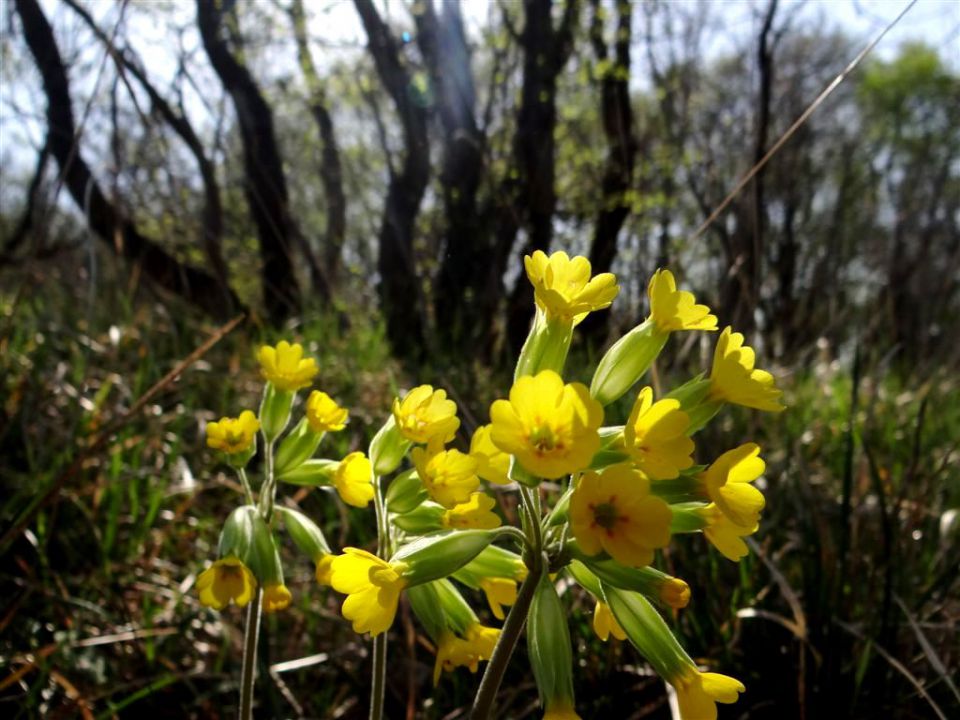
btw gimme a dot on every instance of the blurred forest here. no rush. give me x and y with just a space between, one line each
168 166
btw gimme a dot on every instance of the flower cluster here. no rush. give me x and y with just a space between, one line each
628 485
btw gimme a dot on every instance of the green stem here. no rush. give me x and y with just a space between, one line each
251 634
517 617
246 485
379 681
269 489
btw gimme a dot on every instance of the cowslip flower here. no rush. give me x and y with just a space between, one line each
551 428
323 413
233 435
672 309
285 367
373 587
469 651
475 514
492 463
228 579
324 564
352 480
674 593
605 624
615 512
276 597
563 288
698 693
655 436
449 476
561 711
734 379
425 413
500 591
727 483
724 534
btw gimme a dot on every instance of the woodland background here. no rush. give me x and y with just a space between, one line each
167 166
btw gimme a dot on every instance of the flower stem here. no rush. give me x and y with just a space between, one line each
379 681
251 635
517 617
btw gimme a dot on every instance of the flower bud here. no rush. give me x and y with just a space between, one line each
546 346
426 518
548 641
694 401
296 447
440 555
626 362
388 448
311 473
657 586
405 492
305 533
274 411
493 561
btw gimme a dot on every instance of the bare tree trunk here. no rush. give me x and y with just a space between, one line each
118 232
28 219
264 181
617 117
399 285
331 172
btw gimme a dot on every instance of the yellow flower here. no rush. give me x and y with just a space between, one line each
500 591
449 476
672 309
733 378
474 514
324 564
674 593
227 579
605 624
561 711
551 428
373 586
615 512
353 480
724 534
285 366
453 651
727 482
492 463
233 435
563 288
323 413
655 436
425 413
276 597
698 693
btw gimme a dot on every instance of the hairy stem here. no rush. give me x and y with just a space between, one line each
379 680
251 634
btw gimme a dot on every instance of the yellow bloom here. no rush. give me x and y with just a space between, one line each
655 436
492 463
425 413
727 482
324 564
373 586
453 651
227 579
561 711
323 413
449 476
500 591
674 593
698 693
551 428
563 288
233 435
276 597
285 366
672 309
724 534
733 378
474 514
605 624
353 480
615 512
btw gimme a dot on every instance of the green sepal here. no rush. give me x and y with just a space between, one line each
274 411
440 555
305 533
299 444
546 346
426 518
405 492
626 362
388 448
647 581
518 473
264 558
312 473
457 611
425 604
548 642
236 536
687 518
493 562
